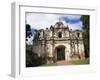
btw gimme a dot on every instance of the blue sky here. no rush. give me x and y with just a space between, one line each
42 21
71 21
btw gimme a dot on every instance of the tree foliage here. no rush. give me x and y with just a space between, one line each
32 58
29 54
28 31
86 24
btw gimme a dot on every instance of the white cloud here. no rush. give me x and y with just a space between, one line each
29 40
42 21
39 21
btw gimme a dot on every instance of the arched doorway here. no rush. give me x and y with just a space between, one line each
60 50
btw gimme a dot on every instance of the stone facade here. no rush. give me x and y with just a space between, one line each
59 43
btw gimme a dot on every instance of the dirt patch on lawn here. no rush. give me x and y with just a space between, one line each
63 62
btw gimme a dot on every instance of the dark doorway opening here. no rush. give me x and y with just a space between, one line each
61 53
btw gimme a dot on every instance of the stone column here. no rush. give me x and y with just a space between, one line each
52 52
42 47
82 51
67 53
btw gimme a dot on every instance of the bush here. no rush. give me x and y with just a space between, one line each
32 59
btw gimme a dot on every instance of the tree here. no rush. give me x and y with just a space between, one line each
28 31
29 54
85 20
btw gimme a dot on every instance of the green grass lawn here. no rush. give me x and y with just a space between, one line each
75 62
80 62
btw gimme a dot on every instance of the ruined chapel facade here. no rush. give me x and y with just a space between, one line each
59 43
